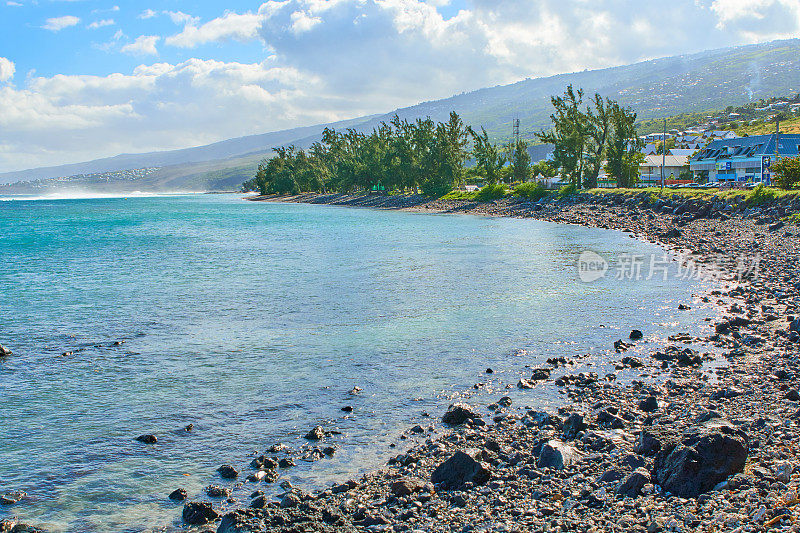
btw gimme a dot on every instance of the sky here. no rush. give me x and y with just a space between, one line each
82 79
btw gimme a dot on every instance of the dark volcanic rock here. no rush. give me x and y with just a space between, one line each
700 460
147 439
649 404
459 413
573 425
228 472
557 455
198 513
4 352
406 485
540 374
10 498
215 491
633 483
635 335
460 468
315 434
178 495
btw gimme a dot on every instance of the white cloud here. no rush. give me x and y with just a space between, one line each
180 18
11 3
7 69
100 24
231 26
143 45
335 59
59 23
153 107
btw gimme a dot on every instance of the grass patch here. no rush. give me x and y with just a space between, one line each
568 190
530 191
460 195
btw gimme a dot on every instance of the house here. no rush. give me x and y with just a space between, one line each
650 169
650 149
743 159
681 152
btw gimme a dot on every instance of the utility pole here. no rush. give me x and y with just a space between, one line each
663 153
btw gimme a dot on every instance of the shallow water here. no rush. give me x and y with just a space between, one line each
253 320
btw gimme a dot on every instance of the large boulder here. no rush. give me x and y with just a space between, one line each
700 459
632 484
459 469
458 413
199 513
557 455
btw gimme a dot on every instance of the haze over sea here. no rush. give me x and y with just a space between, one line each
252 321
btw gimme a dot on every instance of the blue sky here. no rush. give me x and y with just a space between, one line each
81 79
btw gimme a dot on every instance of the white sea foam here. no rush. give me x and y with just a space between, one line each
90 195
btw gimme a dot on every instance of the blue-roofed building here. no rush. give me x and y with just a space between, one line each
742 159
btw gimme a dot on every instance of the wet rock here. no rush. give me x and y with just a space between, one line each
408 485
689 357
635 335
621 346
315 434
286 462
347 408
526 384
290 500
13 497
147 439
541 374
632 362
228 472
632 484
5 352
198 513
329 450
240 521
12 526
178 495
700 460
262 461
459 413
557 455
215 491
505 401
793 395
459 469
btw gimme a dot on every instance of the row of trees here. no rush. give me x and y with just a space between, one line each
401 155
586 137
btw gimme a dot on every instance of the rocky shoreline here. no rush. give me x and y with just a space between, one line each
691 450
683 453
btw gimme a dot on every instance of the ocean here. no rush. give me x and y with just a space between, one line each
253 321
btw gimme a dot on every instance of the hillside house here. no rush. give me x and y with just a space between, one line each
745 159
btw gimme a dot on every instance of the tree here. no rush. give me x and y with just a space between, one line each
520 159
568 135
544 168
787 172
623 153
598 125
487 156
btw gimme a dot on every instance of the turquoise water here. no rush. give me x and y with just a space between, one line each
252 321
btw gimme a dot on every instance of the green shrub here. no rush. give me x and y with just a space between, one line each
530 191
760 196
567 190
491 192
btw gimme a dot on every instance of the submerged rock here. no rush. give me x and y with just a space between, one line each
228 472
10 498
147 439
178 495
459 469
5 352
315 434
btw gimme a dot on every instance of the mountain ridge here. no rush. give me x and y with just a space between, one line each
654 88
